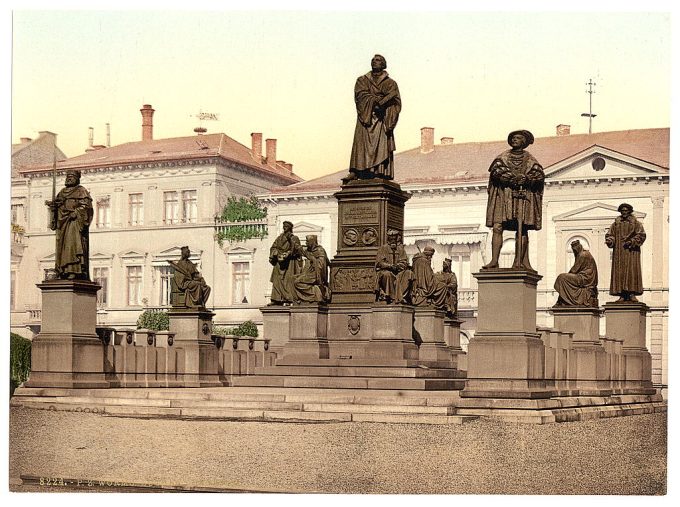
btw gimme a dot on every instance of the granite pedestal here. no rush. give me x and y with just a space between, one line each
67 352
192 329
506 357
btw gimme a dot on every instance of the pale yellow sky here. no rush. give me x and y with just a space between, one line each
473 76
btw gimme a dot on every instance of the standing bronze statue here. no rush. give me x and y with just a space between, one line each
394 277
188 288
625 236
285 255
378 105
70 216
515 198
311 285
579 286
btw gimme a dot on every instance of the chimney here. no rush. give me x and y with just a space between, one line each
25 140
289 166
90 139
563 130
147 122
286 165
256 146
271 151
426 140
447 140
108 135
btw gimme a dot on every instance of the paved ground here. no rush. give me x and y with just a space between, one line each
625 455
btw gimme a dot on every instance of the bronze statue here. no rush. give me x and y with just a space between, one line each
578 287
515 198
378 105
311 285
625 236
188 288
447 290
394 277
285 255
70 216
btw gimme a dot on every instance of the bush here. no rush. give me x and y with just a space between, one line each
157 321
243 209
19 360
248 328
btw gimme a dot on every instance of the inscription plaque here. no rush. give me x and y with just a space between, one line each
360 213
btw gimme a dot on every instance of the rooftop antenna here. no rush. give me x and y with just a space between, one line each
590 114
204 117
108 135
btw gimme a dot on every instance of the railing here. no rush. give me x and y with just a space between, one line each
18 234
34 314
246 230
467 298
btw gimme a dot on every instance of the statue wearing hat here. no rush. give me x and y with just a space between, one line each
70 216
579 286
625 236
515 198
285 255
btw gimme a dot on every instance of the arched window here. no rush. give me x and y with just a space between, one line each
464 340
584 242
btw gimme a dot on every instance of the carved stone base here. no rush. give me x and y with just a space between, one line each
193 330
67 352
308 334
276 326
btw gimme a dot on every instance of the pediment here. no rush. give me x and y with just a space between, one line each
48 258
303 228
600 162
596 211
239 252
174 253
100 257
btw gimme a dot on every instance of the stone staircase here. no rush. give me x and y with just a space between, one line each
252 404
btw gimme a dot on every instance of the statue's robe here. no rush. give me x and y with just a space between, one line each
190 282
626 268
392 286
284 255
373 145
578 287
311 285
504 205
446 292
74 216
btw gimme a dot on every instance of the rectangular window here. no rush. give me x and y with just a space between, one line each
170 208
104 212
240 282
12 289
189 200
101 276
460 265
18 216
136 209
165 275
134 285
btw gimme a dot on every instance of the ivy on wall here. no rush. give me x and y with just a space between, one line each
241 209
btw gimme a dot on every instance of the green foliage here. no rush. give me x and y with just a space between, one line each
248 328
19 359
242 209
155 320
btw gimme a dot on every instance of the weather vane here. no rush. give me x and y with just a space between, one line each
590 114
204 117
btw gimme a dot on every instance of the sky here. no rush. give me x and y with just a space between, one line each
473 76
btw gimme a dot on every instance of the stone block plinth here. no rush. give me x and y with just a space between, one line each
506 357
581 321
590 369
308 338
67 352
627 321
392 336
192 329
428 330
276 326
507 301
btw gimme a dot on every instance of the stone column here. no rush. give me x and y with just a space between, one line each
67 352
627 321
506 358
192 328
591 372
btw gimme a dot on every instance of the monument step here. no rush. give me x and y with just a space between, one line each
363 362
377 409
360 371
348 382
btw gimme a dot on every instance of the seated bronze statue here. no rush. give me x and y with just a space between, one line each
187 287
394 276
311 284
579 286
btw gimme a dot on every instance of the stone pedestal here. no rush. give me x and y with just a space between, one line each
627 321
452 340
308 335
581 321
506 358
276 326
67 352
428 329
366 210
193 330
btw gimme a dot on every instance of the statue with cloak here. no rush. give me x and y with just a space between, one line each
578 287
625 236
